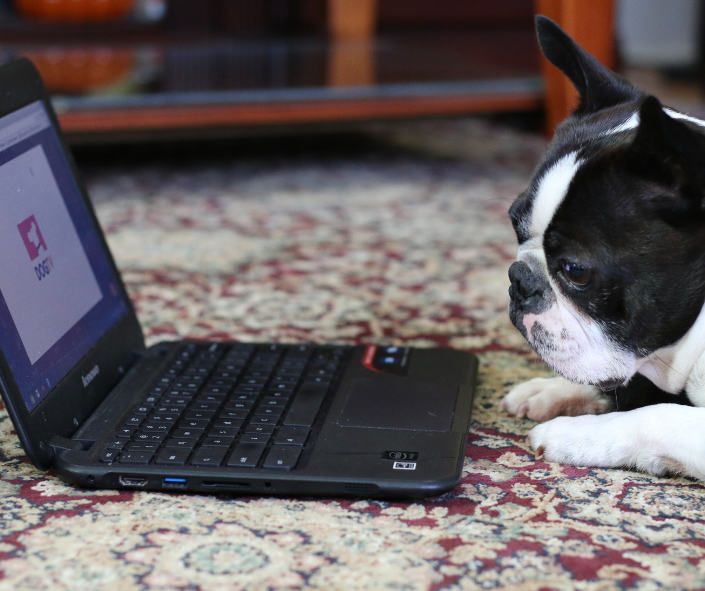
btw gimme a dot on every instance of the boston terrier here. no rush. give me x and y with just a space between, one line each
609 282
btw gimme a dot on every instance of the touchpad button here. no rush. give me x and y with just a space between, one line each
392 404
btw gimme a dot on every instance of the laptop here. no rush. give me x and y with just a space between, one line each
91 402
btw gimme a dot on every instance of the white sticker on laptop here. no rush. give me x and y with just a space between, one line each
404 465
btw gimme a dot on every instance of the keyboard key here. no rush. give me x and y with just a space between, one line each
285 379
246 455
228 423
152 446
180 443
216 389
282 387
209 456
305 407
223 432
239 405
255 438
283 396
273 401
259 420
269 411
213 398
191 384
156 428
136 457
149 437
248 389
197 405
126 430
222 382
109 456
187 433
317 380
169 410
170 456
282 457
258 374
218 442
193 424
253 382
243 396
234 414
289 435
269 429
199 414
176 400
299 352
117 443
163 418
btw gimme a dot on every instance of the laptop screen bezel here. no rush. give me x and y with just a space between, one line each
71 401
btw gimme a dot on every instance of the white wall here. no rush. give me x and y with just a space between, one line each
658 32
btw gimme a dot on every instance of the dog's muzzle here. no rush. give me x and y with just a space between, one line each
528 290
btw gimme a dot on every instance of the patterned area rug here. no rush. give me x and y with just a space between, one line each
405 244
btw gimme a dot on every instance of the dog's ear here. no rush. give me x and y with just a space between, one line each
597 85
669 152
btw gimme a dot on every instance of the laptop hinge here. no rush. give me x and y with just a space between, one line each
59 443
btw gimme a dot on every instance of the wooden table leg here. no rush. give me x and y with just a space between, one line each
591 25
351 25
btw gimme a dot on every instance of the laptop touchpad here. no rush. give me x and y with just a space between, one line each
391 404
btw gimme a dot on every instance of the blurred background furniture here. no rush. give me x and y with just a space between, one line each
180 68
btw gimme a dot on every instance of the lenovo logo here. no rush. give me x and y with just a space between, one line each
88 378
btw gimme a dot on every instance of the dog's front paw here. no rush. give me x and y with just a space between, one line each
542 399
576 441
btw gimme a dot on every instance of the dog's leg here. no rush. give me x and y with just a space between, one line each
542 399
659 439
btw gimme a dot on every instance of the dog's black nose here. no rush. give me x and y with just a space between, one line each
524 282
527 289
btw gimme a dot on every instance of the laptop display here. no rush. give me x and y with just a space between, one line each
58 294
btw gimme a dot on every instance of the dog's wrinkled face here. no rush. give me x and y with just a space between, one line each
611 229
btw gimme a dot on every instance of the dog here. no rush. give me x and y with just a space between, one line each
609 283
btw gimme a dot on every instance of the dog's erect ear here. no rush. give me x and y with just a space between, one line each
666 140
597 85
671 153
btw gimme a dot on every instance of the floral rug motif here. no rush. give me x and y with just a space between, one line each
409 246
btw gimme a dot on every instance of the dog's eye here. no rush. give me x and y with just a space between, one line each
577 275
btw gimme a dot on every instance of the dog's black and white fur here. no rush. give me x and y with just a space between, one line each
609 283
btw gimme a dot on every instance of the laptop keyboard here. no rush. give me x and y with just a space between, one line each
220 404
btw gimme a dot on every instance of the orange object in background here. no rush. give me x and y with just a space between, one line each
76 11
79 70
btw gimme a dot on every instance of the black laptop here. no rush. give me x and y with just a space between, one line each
90 401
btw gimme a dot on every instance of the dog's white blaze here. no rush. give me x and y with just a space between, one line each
551 192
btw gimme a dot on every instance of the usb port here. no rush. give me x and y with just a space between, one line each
133 481
171 482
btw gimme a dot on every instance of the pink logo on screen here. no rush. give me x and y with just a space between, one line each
32 237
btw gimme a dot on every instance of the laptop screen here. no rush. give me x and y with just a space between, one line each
58 292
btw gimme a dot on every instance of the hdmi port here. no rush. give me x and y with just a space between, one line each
132 481
225 484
